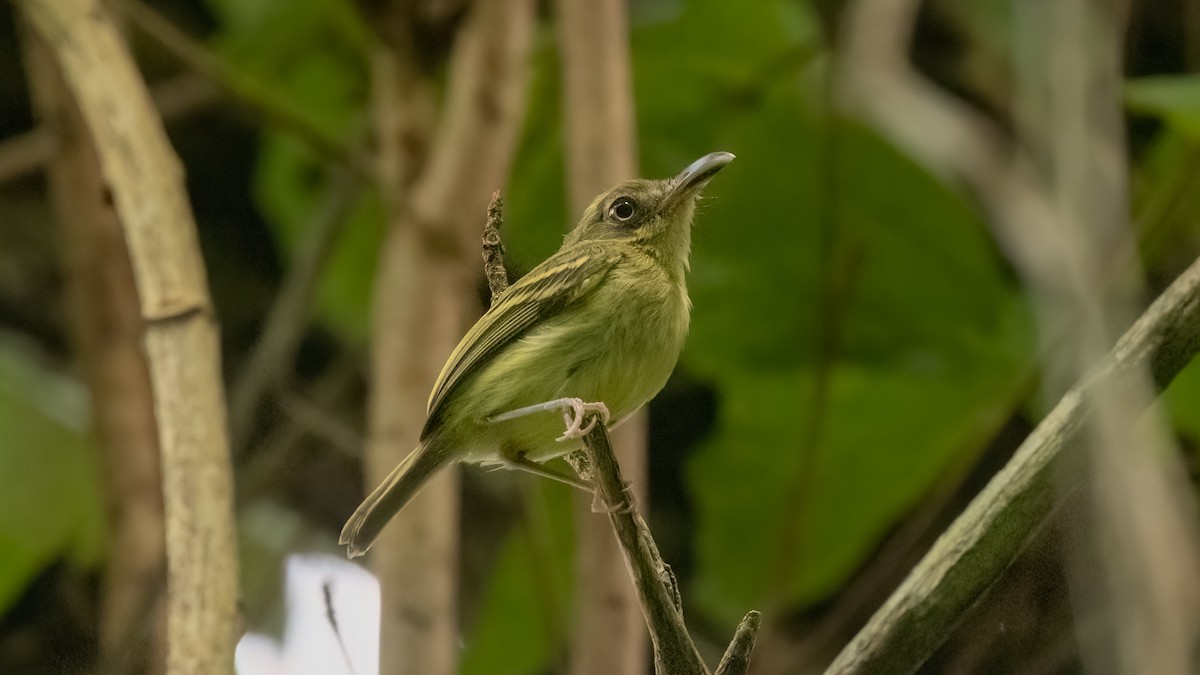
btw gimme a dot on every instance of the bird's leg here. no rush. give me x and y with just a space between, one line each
574 412
520 462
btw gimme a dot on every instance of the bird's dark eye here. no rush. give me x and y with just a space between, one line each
623 210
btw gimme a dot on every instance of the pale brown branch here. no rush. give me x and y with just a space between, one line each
1068 236
436 185
106 331
145 181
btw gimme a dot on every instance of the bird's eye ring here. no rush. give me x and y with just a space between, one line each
622 210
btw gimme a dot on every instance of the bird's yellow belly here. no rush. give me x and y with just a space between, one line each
621 361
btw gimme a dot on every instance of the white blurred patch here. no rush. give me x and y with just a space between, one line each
310 644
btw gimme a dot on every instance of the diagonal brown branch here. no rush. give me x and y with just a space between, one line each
144 181
283 329
982 542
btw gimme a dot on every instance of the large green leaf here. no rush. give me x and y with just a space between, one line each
930 341
50 504
931 337
525 610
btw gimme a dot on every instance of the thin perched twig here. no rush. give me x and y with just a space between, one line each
179 333
984 540
674 651
493 247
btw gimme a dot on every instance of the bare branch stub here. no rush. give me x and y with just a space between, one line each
493 247
736 660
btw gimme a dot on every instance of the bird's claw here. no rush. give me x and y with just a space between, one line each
575 411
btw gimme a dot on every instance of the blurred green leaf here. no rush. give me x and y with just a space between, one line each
50 504
930 336
272 42
1183 401
521 627
1174 98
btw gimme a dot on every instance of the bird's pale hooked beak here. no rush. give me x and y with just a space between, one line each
691 180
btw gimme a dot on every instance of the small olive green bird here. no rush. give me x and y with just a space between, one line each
596 328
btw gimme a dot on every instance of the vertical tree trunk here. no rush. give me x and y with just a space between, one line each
106 331
425 293
144 181
610 635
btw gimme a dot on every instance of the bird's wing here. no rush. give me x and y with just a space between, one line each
559 281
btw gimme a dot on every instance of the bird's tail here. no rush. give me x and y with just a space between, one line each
385 502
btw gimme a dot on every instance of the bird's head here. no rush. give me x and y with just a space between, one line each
653 215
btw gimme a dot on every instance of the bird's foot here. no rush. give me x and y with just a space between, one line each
575 411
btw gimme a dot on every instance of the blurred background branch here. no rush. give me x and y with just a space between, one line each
425 296
107 330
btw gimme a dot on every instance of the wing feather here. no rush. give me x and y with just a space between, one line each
559 281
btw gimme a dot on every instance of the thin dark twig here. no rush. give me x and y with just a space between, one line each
331 616
674 651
